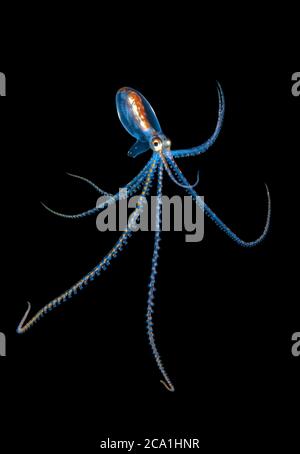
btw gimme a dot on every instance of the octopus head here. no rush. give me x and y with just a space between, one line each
160 143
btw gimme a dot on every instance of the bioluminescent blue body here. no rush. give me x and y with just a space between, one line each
139 119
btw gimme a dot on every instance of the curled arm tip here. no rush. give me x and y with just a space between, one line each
20 327
168 386
169 172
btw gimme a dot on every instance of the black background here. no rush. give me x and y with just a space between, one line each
224 315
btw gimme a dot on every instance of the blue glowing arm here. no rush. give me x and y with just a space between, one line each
131 189
150 303
206 145
90 183
97 270
215 218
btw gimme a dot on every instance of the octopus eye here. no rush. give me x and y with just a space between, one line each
156 143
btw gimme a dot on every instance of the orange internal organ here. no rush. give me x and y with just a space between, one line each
138 110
